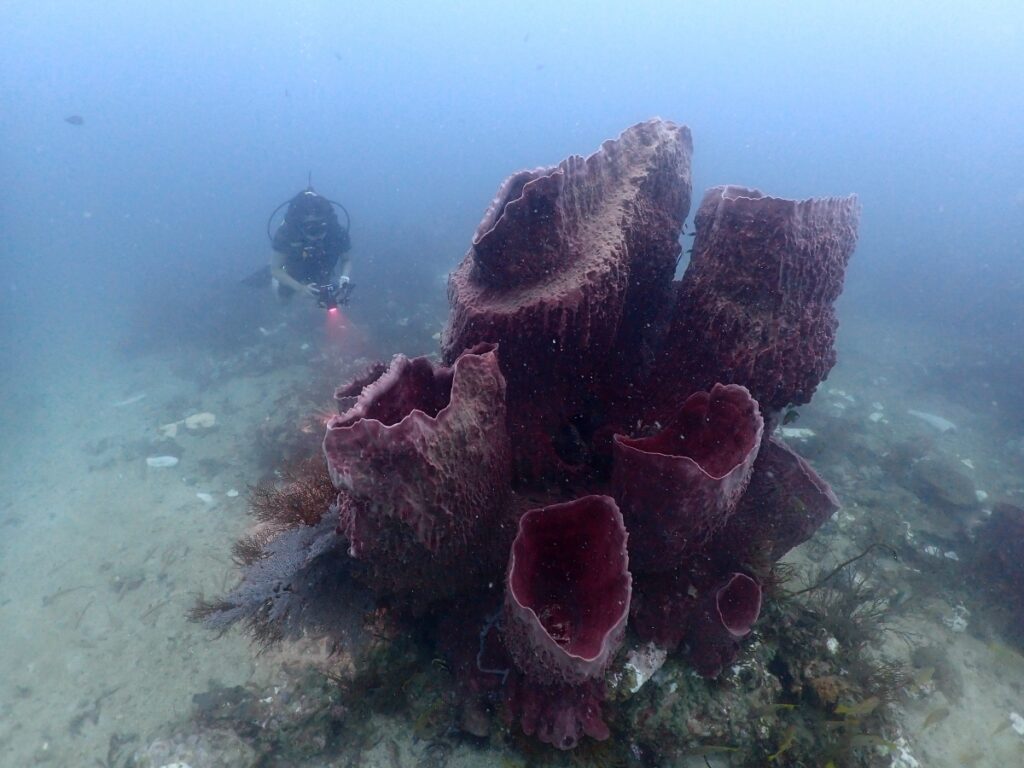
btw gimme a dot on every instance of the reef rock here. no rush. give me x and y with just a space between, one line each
942 483
999 559
567 271
1001 538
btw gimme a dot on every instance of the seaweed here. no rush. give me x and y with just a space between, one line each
887 680
773 585
852 609
852 606
821 643
302 498
252 547
389 676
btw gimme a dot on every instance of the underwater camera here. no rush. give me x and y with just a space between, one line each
331 295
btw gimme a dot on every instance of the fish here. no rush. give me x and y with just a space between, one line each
787 741
791 415
923 677
1006 655
869 740
129 400
1002 727
771 709
935 716
75 120
709 749
865 707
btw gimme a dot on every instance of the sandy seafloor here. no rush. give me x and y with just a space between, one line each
101 556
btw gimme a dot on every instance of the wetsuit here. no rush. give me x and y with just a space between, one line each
310 260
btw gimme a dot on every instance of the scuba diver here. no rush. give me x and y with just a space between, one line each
310 248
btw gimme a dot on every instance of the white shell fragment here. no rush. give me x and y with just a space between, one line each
206 498
203 420
941 424
160 462
843 394
1017 723
903 758
643 662
958 621
797 433
231 494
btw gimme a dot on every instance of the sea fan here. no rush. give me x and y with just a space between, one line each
299 583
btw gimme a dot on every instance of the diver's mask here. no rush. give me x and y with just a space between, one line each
313 229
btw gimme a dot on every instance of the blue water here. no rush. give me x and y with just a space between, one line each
199 118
